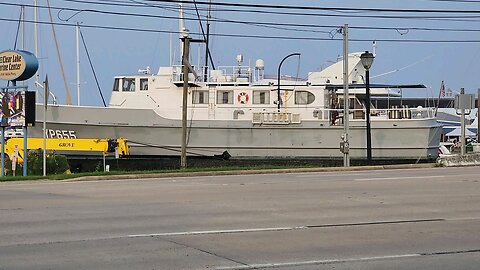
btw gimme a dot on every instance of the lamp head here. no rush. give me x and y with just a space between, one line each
367 59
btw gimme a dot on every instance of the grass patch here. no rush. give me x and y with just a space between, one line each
187 170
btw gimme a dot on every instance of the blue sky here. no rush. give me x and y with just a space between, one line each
117 52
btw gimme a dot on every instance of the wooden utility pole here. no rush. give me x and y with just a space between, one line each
186 70
185 64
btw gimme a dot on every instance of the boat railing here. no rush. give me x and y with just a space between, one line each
231 74
177 74
404 112
220 75
335 116
276 118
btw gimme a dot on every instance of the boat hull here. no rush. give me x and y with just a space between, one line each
150 134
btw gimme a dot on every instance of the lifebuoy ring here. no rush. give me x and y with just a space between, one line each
242 98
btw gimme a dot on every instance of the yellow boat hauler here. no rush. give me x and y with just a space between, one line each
68 145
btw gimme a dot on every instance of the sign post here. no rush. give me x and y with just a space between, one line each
464 103
3 151
14 159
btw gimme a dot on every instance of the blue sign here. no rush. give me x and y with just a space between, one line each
17 65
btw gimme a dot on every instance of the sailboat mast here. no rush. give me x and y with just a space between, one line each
181 26
78 63
68 98
35 30
171 51
207 52
22 19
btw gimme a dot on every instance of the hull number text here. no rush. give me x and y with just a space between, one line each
61 134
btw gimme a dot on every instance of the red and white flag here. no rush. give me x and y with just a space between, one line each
442 89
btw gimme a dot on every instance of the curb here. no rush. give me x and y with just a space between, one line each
250 172
471 159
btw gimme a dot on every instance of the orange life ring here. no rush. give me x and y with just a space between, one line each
242 98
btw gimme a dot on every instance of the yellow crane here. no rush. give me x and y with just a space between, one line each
67 146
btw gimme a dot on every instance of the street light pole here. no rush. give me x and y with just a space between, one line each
367 60
369 130
278 77
346 98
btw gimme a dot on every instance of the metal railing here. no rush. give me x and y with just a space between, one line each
223 74
335 116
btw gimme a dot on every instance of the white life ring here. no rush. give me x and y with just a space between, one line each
242 98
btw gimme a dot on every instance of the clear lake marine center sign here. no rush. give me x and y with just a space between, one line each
17 65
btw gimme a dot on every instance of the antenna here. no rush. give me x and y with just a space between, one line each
239 59
183 31
181 23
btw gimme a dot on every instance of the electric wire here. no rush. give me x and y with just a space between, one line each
297 7
400 30
91 66
258 36
434 18
204 35
233 21
291 13
272 24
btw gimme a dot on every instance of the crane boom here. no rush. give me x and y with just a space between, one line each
68 145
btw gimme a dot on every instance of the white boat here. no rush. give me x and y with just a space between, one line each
233 111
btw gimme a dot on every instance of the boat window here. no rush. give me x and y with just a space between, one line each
116 83
351 103
143 84
128 85
261 97
200 97
304 97
225 97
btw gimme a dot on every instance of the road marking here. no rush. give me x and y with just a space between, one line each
317 262
338 174
462 219
276 229
346 260
398 178
416 177
217 232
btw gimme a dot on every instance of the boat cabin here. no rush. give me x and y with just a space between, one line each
245 93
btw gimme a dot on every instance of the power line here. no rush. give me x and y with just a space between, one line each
457 1
322 8
128 2
252 36
346 15
275 25
267 24
272 24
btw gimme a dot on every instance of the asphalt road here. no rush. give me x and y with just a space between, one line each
386 219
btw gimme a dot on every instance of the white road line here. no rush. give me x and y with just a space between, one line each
276 229
398 178
313 174
462 219
317 262
218 231
456 176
